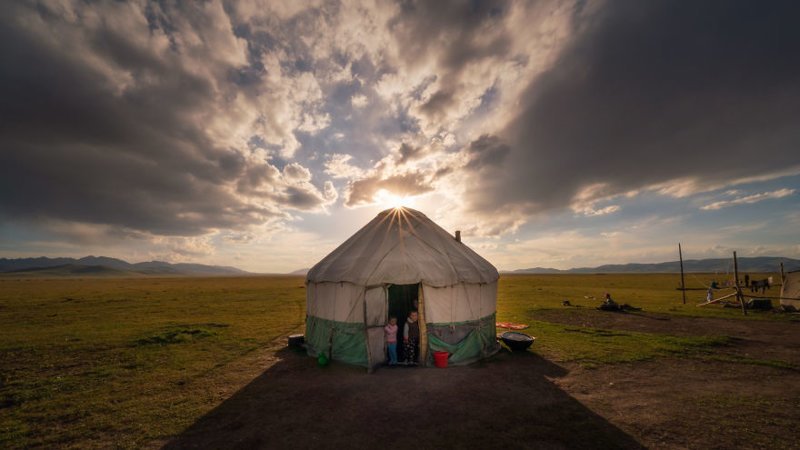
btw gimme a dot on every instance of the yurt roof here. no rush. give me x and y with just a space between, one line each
403 246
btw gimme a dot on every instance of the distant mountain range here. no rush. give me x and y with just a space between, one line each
761 264
105 266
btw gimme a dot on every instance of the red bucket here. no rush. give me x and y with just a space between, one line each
440 359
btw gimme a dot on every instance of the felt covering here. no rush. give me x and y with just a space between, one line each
346 342
348 302
403 246
791 290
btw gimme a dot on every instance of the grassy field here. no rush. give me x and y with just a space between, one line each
521 298
123 362
95 361
520 294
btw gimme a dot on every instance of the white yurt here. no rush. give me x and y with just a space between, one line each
399 262
790 291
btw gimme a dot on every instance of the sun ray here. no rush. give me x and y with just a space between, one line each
391 200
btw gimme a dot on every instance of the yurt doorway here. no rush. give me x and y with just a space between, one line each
403 298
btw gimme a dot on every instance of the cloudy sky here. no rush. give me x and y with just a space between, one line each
263 134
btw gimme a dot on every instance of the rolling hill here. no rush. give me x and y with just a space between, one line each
105 266
760 264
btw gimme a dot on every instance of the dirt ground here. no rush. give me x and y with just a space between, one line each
522 400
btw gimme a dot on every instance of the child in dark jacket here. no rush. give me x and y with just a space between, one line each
411 338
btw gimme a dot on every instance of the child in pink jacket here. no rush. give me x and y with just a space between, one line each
390 330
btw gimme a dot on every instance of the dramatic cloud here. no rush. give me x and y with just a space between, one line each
339 166
363 191
486 151
203 129
649 92
125 114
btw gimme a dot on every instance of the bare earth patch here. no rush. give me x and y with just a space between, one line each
693 404
523 400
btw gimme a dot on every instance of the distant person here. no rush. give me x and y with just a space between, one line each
710 295
747 280
390 330
714 284
610 305
411 338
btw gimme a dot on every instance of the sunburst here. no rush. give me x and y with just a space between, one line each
392 200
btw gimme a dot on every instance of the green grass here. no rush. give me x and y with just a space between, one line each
592 346
128 360
101 362
522 297
519 294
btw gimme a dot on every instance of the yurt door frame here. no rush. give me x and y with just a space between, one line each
376 306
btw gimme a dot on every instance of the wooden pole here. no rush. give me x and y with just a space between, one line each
683 284
716 300
783 275
739 295
423 330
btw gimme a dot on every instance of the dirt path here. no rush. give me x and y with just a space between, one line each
522 400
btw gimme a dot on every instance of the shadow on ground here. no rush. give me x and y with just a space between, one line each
507 401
